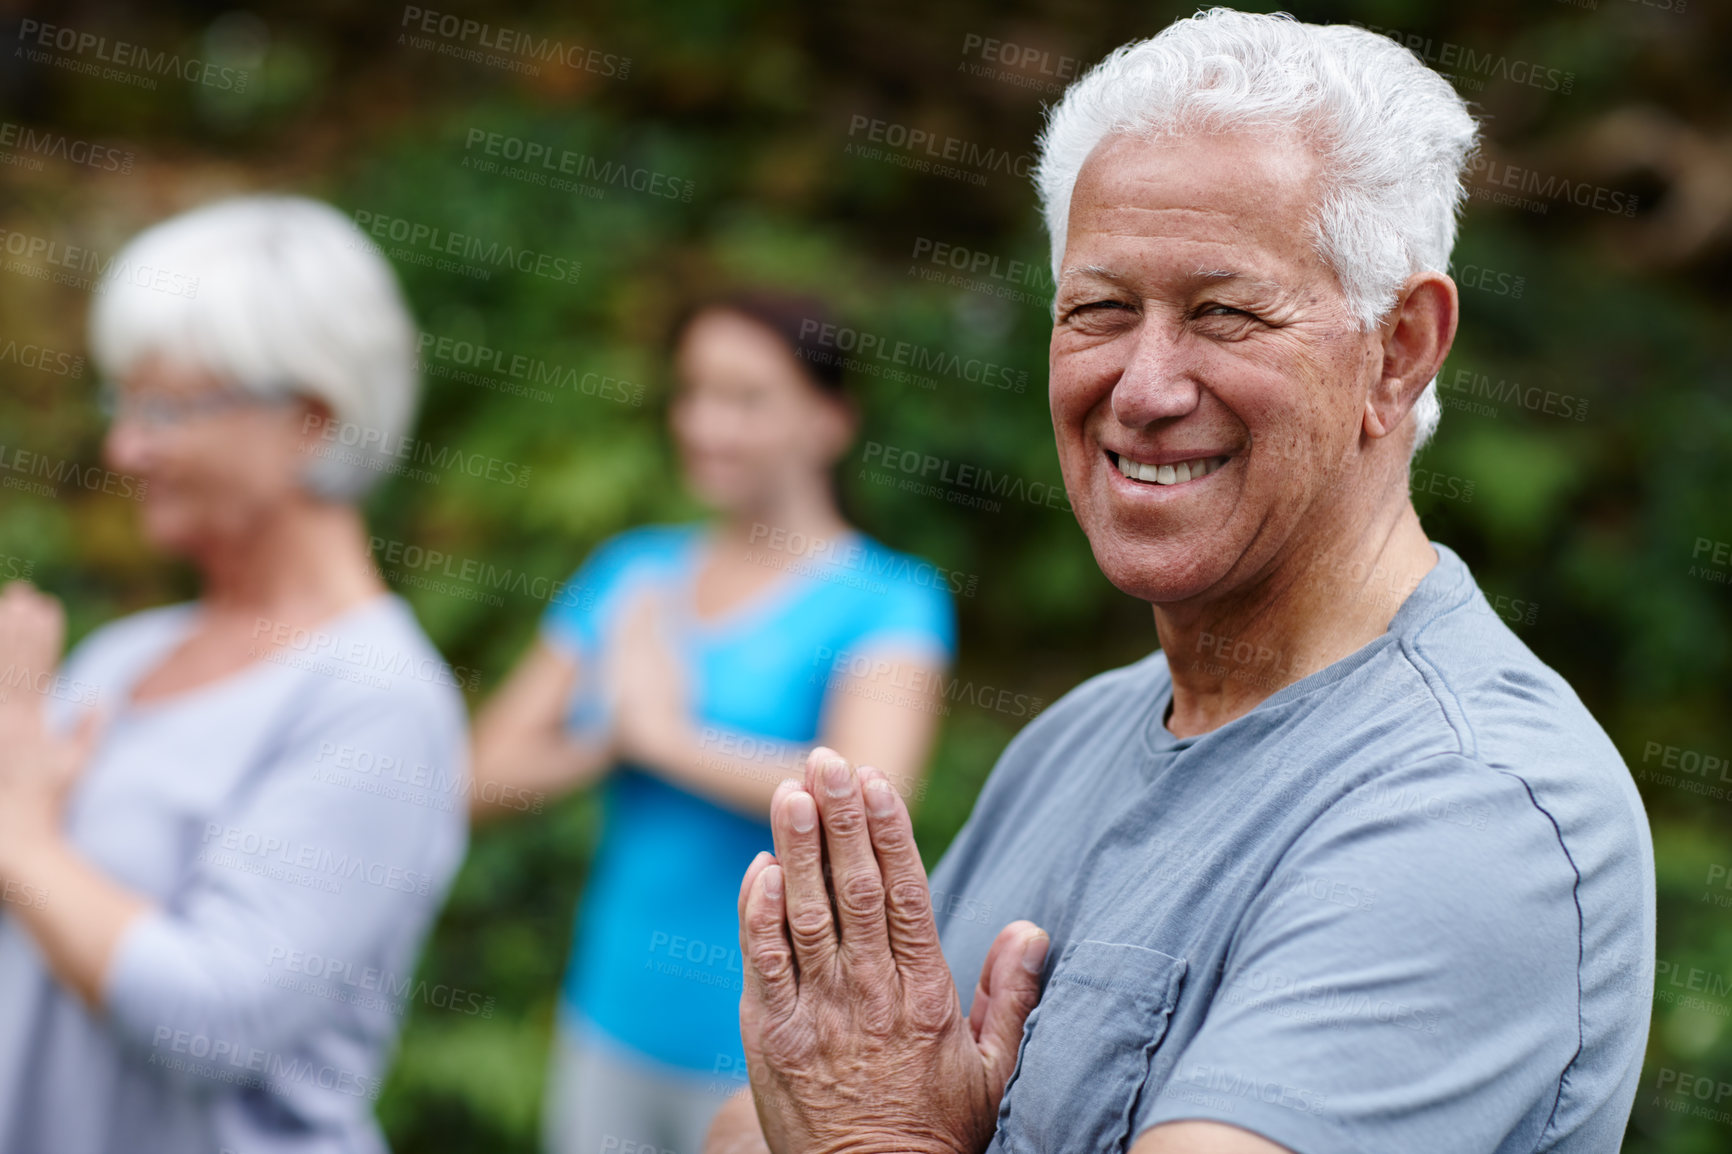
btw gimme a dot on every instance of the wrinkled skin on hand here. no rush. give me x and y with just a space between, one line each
854 1036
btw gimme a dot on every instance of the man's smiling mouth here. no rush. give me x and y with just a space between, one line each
1176 473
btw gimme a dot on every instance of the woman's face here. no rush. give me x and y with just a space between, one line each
216 464
749 423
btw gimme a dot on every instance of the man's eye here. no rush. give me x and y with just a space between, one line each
1224 311
1095 306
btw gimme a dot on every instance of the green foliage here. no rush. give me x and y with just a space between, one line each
1591 521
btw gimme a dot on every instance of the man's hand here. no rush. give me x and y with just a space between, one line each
853 1033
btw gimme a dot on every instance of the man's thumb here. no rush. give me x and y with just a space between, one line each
1009 988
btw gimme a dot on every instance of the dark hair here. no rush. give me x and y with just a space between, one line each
799 319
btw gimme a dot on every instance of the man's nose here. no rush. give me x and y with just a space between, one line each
1159 380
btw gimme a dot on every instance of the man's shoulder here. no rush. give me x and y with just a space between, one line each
1502 707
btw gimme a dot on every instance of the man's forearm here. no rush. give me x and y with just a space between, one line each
735 1129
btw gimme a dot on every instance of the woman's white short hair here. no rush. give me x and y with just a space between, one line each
1394 138
284 296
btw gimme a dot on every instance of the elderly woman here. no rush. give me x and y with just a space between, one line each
1344 866
213 918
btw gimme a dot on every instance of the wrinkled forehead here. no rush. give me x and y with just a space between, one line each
1240 201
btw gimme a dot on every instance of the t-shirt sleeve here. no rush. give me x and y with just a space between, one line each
909 616
1408 972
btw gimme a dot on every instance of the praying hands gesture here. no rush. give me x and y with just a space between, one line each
854 1036
37 766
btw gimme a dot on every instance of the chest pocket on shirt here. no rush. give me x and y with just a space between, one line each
1087 1048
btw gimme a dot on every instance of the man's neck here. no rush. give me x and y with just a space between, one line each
1314 607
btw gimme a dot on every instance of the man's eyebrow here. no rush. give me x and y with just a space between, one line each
1201 274
1090 270
1224 274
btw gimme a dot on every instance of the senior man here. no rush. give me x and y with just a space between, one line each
1343 866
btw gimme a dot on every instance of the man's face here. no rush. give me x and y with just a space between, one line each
1196 326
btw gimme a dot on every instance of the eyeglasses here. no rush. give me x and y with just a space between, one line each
161 411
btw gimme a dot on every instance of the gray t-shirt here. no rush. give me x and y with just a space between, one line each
1404 904
295 826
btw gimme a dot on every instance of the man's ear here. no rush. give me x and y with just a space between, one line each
1417 335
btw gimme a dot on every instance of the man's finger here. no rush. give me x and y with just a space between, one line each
768 954
764 858
1009 988
800 850
907 900
854 873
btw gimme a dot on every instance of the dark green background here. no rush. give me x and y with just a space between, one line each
1586 527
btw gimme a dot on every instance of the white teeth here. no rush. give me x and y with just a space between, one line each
1170 474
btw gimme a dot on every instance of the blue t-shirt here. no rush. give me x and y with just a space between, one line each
656 959
1404 904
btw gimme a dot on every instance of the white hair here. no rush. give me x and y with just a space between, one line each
1393 136
282 295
